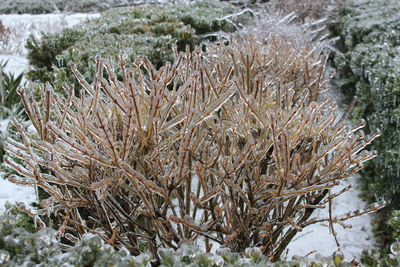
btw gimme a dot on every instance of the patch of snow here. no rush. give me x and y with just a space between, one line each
55 20
352 241
318 238
10 192
3 127
22 26
15 64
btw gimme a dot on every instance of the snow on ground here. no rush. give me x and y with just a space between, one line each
15 64
317 238
22 26
53 20
313 238
11 192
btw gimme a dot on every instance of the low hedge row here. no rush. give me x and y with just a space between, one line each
370 69
50 6
149 30
22 245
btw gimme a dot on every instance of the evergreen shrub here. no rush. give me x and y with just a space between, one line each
51 6
23 245
369 68
149 30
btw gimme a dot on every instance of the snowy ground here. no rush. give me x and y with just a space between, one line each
317 238
11 192
15 64
22 26
314 238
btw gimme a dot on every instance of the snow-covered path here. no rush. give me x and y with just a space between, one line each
314 238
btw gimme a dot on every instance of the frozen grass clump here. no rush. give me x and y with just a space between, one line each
306 10
146 30
370 69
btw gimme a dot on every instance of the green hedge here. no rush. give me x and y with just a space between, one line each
50 6
370 69
22 245
146 30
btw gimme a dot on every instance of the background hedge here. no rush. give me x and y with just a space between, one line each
369 68
149 30
50 6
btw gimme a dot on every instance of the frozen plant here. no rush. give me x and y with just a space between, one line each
19 247
306 10
235 146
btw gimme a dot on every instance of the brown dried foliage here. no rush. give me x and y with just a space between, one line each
305 10
4 34
235 146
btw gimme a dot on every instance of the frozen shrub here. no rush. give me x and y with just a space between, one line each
4 35
236 146
305 10
23 6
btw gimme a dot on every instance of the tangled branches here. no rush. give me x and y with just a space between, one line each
235 146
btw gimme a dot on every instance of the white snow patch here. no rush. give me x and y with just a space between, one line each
15 64
3 127
22 26
63 20
10 192
352 241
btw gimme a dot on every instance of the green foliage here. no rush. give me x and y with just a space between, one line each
394 222
370 69
21 219
43 53
374 258
50 6
146 30
205 16
10 102
19 247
